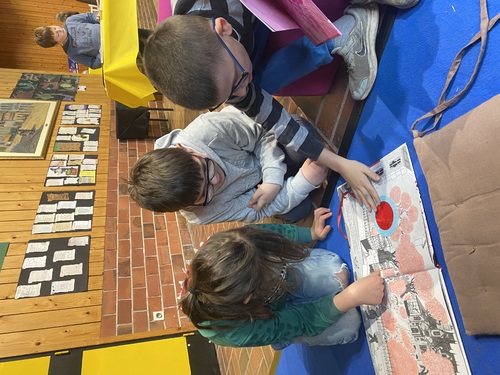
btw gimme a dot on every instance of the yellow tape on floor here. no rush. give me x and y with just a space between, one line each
35 366
153 357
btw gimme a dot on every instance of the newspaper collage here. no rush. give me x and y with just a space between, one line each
413 331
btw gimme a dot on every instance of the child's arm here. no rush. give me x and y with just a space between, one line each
90 61
314 173
319 229
305 320
264 195
368 290
89 17
264 109
234 208
356 174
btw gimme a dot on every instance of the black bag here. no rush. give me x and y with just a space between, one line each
131 122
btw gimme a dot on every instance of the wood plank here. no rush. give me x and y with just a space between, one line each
32 325
96 244
8 291
95 283
32 204
35 190
49 319
54 339
25 236
50 339
52 303
9 227
16 261
30 195
11 276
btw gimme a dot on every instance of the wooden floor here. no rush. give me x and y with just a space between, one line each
32 325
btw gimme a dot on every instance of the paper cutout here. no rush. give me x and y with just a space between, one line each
413 331
73 212
55 265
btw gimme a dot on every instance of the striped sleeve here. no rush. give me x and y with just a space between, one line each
267 111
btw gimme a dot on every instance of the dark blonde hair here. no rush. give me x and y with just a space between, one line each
165 180
180 59
44 37
232 265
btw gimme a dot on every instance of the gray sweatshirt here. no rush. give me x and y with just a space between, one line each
248 156
84 39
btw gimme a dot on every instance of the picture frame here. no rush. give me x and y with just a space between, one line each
26 127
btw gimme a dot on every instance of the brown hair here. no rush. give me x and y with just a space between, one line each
180 59
44 37
232 265
165 180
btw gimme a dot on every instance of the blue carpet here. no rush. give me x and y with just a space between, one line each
421 46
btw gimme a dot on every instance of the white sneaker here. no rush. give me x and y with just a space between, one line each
358 51
402 4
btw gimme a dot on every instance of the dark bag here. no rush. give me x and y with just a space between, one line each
131 122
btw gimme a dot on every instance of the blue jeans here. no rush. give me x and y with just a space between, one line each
316 278
289 63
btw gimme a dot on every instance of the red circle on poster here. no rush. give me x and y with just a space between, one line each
384 215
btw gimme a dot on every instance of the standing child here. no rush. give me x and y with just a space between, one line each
253 286
79 37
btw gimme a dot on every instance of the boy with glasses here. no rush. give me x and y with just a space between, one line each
204 56
224 167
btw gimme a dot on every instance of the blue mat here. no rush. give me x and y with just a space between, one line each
421 46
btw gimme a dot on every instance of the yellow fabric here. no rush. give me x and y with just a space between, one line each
122 79
95 71
26 366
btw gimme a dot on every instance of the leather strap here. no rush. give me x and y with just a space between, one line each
443 104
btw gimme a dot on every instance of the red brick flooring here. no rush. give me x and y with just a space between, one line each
145 253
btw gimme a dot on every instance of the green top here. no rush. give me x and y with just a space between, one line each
288 323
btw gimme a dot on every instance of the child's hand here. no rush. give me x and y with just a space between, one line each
366 291
358 176
264 195
319 230
314 172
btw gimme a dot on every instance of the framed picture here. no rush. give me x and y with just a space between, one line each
25 127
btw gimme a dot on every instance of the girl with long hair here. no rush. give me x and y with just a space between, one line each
260 285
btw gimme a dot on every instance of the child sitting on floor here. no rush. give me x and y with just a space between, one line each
206 53
254 286
224 167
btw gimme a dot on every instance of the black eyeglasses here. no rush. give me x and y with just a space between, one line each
244 73
210 174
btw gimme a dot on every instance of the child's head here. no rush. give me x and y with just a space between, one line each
166 180
236 274
49 36
188 63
